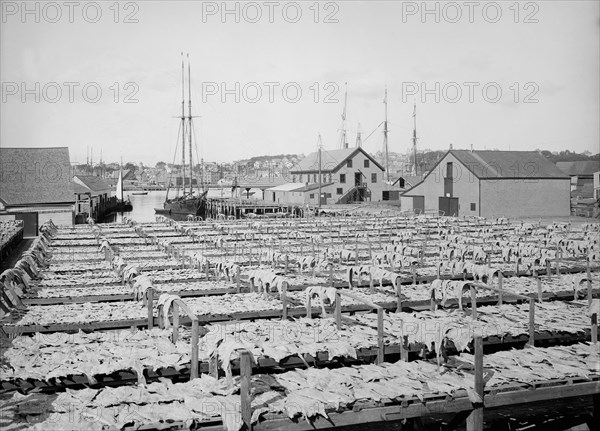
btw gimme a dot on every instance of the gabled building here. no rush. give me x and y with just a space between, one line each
582 176
93 196
491 184
347 175
35 186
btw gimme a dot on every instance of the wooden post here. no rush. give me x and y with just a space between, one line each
175 321
380 351
246 375
475 419
473 303
398 287
548 269
150 293
404 349
589 280
238 282
539 288
213 366
500 282
308 307
194 359
331 275
531 341
594 334
338 310
284 313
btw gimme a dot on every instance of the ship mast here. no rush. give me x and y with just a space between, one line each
182 124
385 139
320 175
190 121
343 141
415 138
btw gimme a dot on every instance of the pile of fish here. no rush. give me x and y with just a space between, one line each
305 393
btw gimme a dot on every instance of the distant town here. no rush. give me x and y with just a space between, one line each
138 176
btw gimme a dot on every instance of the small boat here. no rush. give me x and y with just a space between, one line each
122 205
140 193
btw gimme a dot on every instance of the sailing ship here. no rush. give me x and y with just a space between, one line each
190 202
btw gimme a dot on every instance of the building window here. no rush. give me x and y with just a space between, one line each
328 195
315 178
300 178
293 178
366 163
339 190
349 163
449 181
473 207
373 177
311 196
343 178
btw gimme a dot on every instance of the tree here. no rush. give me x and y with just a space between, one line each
130 166
161 166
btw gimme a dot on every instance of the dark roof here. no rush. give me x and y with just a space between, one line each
79 189
95 184
330 160
35 176
580 168
507 164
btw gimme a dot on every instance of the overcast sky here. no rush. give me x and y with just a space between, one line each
546 66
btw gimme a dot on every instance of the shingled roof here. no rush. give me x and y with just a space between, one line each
580 168
330 160
35 176
95 184
485 164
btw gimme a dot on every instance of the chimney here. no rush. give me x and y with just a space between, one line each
471 147
450 145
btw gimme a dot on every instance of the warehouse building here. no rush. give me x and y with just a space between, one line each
582 176
347 175
491 184
35 186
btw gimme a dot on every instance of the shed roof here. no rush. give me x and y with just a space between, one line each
507 164
35 176
287 187
95 184
314 186
579 168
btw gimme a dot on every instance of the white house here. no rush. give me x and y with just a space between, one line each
347 175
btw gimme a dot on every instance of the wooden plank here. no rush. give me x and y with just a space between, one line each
245 387
541 394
